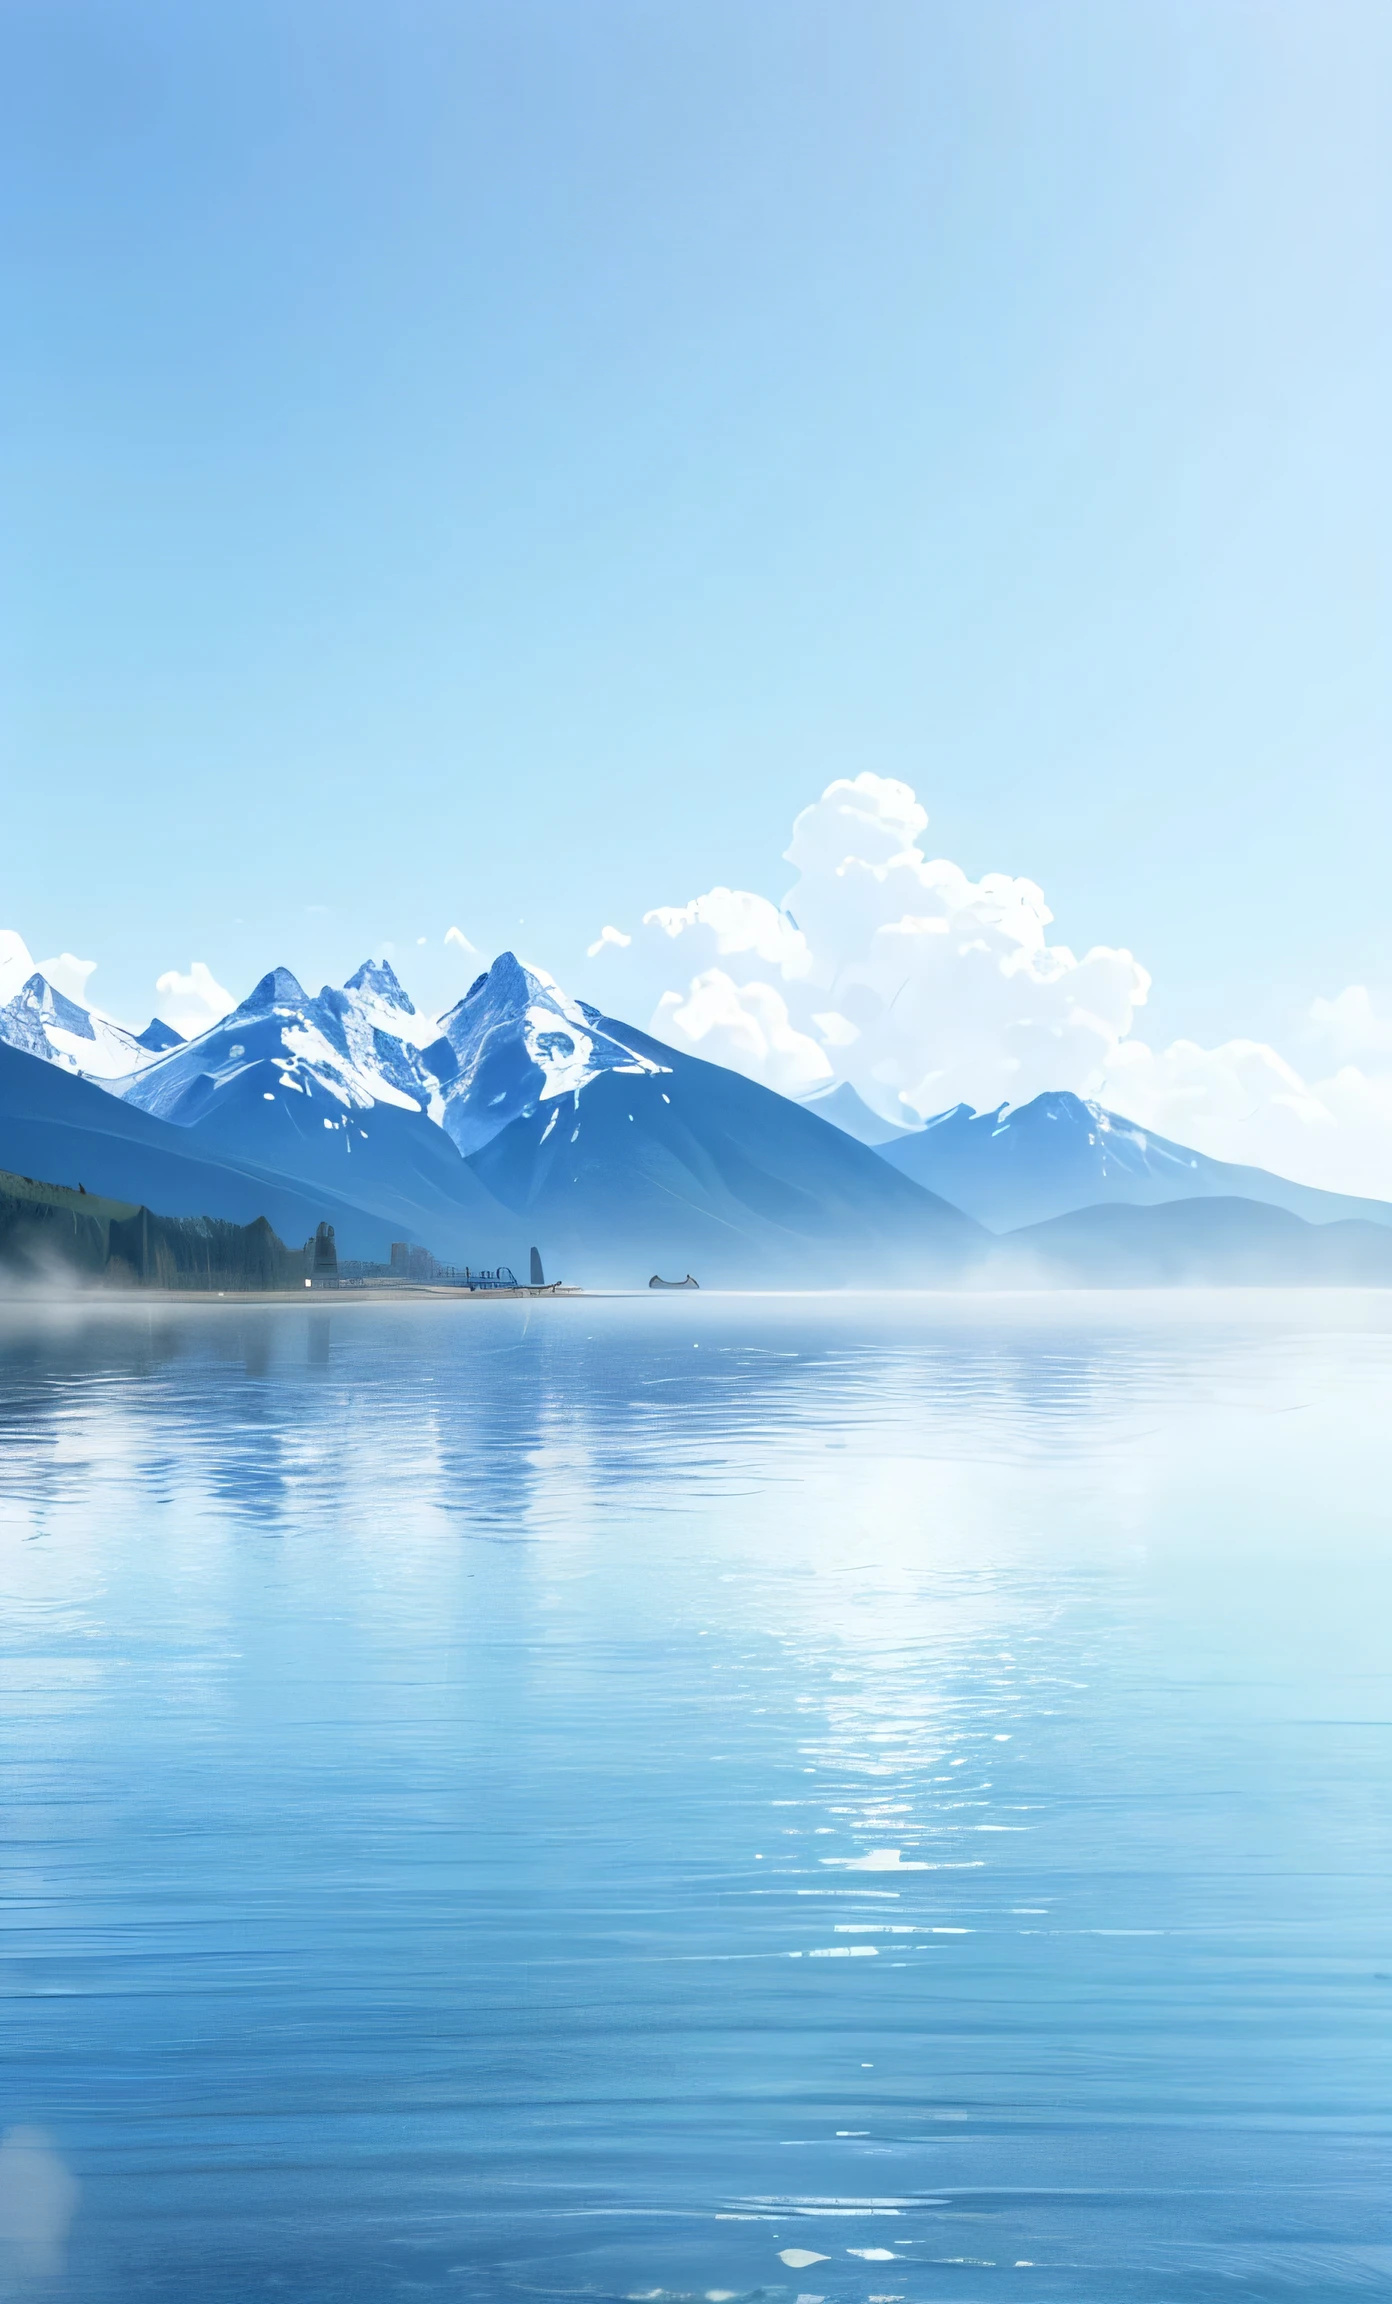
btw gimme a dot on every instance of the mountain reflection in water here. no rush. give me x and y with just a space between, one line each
839 1796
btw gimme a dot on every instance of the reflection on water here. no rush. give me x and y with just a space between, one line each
37 2198
841 1798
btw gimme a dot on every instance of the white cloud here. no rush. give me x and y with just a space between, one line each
68 974
925 988
16 965
1243 1101
65 972
730 924
1350 1026
747 1028
194 1002
921 987
607 936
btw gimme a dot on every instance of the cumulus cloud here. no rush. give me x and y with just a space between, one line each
924 988
921 987
1243 1101
194 1002
744 1026
1350 1026
66 972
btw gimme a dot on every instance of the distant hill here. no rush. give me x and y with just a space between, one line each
1213 1243
58 1127
1010 1168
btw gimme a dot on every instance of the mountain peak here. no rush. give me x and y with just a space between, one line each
847 1110
157 1036
503 993
508 983
380 981
44 1022
54 1007
277 989
1058 1104
516 1041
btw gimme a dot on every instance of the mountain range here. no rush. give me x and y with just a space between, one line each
1059 1153
522 1117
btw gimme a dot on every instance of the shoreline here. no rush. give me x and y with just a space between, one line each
1174 1296
317 1299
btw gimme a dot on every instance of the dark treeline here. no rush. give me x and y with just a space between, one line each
48 1233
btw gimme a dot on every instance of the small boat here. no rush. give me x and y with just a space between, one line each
688 1282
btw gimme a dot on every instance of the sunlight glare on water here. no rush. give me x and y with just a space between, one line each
837 1797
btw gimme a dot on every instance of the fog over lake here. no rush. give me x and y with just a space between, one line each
824 1797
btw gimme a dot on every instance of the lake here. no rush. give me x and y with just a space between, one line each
697 1797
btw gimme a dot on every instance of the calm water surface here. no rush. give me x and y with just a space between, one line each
832 1798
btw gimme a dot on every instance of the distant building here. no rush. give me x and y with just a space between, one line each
408 1262
324 1258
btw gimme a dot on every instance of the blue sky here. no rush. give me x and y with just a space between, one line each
488 464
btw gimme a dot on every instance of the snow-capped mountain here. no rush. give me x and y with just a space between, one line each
331 1089
527 1118
380 1003
523 1118
358 1047
516 1042
42 1021
1059 1153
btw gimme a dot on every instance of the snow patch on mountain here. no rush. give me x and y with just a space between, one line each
381 1001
